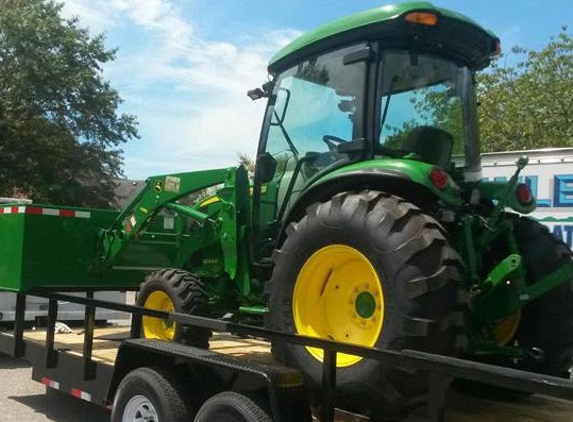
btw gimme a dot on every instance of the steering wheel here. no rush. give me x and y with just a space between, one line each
333 142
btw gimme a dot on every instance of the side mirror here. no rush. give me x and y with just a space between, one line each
265 168
258 93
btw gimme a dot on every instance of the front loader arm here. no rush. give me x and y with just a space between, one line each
163 192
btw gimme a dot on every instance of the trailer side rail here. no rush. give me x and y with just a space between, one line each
441 369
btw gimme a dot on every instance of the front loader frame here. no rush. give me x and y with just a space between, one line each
226 223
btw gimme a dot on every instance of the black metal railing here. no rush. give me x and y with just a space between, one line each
441 369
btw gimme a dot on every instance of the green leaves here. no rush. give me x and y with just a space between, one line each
59 126
529 105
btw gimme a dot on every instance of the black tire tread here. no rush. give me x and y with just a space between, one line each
546 323
549 319
434 314
190 297
246 407
173 393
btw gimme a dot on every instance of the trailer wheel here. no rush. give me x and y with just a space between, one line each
174 290
370 269
231 407
153 395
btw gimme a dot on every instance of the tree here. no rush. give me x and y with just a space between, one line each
246 161
60 130
529 105
434 106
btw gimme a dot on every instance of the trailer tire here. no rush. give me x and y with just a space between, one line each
409 279
154 393
174 290
230 406
547 322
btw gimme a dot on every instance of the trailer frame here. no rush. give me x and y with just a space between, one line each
96 382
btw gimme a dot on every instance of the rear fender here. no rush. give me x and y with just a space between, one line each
412 186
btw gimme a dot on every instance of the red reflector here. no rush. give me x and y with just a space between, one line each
439 178
67 213
524 195
33 210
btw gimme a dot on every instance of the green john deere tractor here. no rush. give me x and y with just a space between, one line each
367 221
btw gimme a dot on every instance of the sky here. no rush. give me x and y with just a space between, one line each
183 67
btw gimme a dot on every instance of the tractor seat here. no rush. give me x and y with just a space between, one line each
430 144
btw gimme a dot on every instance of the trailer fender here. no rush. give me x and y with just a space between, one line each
281 390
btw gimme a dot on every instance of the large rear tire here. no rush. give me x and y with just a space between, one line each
371 269
547 323
173 290
544 327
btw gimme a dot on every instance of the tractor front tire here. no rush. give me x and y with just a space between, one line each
174 290
370 269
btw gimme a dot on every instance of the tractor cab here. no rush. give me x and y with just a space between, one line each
386 96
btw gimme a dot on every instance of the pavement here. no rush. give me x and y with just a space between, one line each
24 400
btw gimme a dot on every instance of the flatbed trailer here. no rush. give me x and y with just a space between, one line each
91 365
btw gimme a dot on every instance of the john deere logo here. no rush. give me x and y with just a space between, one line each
158 186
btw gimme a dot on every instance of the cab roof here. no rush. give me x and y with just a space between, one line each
359 25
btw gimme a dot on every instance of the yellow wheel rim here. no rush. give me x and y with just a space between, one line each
506 328
338 296
156 327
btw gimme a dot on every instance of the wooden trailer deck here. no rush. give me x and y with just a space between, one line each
107 339
461 408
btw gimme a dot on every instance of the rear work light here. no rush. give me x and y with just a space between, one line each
422 18
439 178
524 194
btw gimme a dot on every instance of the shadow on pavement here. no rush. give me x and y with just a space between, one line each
55 406
8 362
60 407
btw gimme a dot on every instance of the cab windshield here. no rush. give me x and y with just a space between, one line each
317 106
427 110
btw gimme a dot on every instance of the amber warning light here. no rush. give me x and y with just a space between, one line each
422 18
